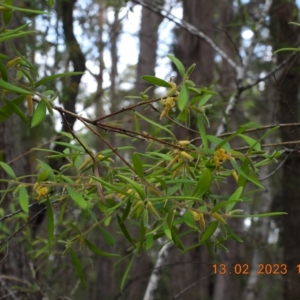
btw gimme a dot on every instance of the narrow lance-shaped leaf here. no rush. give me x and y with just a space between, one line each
242 181
23 198
50 222
77 264
234 197
6 111
242 173
183 97
7 15
209 231
17 35
138 165
203 184
98 251
16 110
77 198
270 214
178 64
263 137
33 11
50 3
50 78
142 236
156 81
135 185
177 242
39 113
156 124
107 237
240 130
127 272
8 170
202 131
125 231
3 71
189 219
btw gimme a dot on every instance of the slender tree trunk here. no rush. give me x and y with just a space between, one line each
285 35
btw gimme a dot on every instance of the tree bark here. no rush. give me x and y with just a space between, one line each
285 35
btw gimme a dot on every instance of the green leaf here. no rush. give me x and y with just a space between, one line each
155 124
50 3
23 198
202 131
149 241
234 197
183 97
270 214
142 235
190 70
24 9
138 165
177 242
135 185
127 272
96 250
178 64
48 105
67 134
2 56
215 140
241 172
27 75
156 81
184 114
209 231
107 237
203 184
263 137
7 15
78 266
204 99
50 222
224 203
240 130
189 219
16 110
287 49
242 181
31 66
50 78
17 35
6 111
111 187
39 114
3 71
43 175
8 170
77 198
125 231
232 234
251 142
71 146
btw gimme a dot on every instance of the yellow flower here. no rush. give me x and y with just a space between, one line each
220 156
169 103
42 191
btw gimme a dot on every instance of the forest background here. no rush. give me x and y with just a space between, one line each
232 44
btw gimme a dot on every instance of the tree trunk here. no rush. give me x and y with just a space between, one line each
285 35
